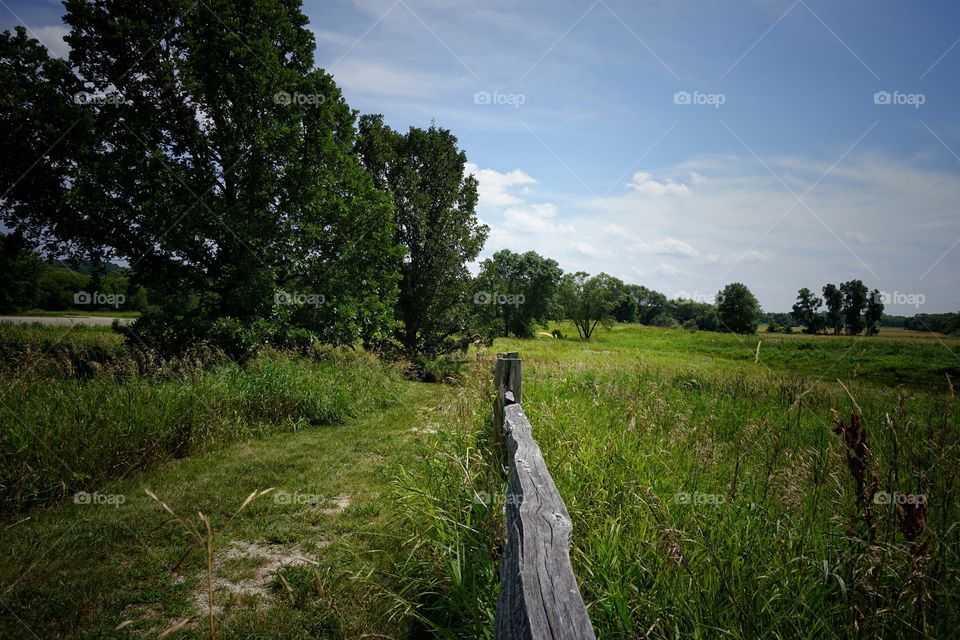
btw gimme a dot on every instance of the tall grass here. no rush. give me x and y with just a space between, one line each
58 435
448 519
714 496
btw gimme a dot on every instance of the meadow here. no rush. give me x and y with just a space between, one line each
715 489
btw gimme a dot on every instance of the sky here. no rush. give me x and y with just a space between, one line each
678 144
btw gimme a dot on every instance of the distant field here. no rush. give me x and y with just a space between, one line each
918 359
898 333
40 313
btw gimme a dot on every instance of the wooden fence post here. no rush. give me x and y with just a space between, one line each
506 380
539 597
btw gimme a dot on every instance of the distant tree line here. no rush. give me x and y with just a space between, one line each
850 308
31 282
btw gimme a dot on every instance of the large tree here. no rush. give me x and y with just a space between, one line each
650 303
436 223
806 310
737 309
854 303
833 298
873 313
513 292
198 143
589 301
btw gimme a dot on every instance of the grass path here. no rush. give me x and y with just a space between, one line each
82 570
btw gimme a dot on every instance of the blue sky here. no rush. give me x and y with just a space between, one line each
679 144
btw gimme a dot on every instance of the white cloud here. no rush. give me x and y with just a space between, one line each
536 218
585 248
52 38
368 78
858 236
644 183
493 186
665 246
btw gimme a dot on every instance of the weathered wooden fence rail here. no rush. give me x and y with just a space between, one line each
539 597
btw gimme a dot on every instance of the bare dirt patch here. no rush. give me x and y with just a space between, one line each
243 572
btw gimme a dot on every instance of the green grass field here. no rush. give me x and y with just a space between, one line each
710 493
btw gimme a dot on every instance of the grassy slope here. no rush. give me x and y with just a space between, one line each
77 571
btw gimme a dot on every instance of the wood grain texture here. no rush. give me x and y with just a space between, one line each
539 597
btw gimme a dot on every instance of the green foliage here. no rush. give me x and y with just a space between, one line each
513 293
664 320
21 269
589 301
436 224
737 309
806 310
57 287
854 302
833 298
650 304
873 313
947 323
231 179
703 313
